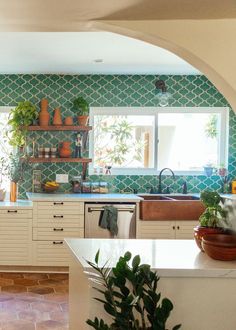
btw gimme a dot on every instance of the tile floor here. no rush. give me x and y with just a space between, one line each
30 301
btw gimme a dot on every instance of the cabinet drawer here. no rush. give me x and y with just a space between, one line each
156 229
13 213
59 219
50 253
56 233
65 207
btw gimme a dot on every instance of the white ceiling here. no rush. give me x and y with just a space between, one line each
76 53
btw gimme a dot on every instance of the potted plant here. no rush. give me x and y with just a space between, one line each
82 108
23 115
212 219
222 170
209 169
130 297
3 172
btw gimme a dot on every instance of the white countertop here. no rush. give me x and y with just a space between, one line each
171 258
37 197
19 203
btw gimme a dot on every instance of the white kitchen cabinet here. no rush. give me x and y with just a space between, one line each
164 229
52 222
15 236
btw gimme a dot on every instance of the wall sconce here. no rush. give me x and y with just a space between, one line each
163 96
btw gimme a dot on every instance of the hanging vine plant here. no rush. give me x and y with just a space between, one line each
23 115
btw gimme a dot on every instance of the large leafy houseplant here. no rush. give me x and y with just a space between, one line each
212 219
130 296
23 115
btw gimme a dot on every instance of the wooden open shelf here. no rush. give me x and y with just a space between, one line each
59 128
60 160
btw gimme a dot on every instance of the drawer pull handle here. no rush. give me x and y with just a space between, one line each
58 216
173 227
177 227
58 203
58 229
58 242
12 211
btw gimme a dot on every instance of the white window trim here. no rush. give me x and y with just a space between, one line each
143 111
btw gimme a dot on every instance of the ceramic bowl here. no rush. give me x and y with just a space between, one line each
200 231
220 246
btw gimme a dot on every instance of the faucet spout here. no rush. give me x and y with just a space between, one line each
159 191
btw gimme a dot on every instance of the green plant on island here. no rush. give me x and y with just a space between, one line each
23 115
214 214
129 295
81 106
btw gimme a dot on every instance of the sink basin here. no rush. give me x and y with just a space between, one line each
170 207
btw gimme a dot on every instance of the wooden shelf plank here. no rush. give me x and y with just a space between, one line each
59 128
60 160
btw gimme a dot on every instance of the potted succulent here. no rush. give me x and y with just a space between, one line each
212 219
82 108
129 295
209 169
23 115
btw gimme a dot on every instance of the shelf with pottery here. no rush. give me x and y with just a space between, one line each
59 160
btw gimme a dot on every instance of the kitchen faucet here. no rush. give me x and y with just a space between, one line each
159 191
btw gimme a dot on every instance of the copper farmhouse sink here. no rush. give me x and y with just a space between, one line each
167 207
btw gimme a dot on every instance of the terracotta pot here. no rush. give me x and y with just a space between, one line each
83 120
200 231
65 150
44 116
13 191
68 121
219 246
57 117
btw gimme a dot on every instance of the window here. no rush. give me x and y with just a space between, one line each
5 148
144 140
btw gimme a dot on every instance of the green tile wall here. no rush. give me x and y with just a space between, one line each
109 90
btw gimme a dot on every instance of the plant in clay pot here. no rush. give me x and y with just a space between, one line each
23 115
213 219
82 108
129 295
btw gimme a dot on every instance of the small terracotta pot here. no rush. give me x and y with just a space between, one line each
200 231
57 117
13 191
83 120
65 150
68 121
44 116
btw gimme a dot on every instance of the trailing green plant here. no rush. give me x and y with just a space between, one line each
23 115
214 213
130 296
17 164
81 106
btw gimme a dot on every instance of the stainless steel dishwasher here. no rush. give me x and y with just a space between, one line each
126 221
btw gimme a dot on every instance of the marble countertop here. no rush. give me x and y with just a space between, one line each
19 204
171 258
39 197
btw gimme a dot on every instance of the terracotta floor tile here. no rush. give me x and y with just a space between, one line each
64 307
6 281
50 282
16 305
59 276
25 281
46 325
59 316
61 288
36 276
14 288
8 316
45 306
11 275
57 297
41 290
33 316
18 325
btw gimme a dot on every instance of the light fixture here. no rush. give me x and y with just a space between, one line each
163 96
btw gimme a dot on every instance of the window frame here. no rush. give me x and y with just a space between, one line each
144 111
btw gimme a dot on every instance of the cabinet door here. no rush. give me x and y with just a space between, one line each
156 229
184 229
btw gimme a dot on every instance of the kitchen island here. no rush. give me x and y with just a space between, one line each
202 290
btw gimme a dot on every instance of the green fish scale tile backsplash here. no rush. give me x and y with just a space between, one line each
113 90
